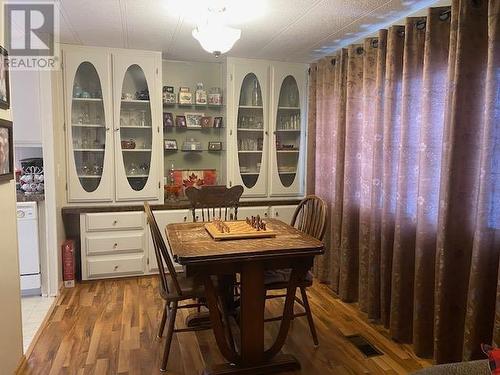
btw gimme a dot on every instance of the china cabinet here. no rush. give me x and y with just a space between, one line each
113 127
88 125
288 135
249 128
266 112
138 125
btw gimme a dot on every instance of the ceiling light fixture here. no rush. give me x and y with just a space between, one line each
214 36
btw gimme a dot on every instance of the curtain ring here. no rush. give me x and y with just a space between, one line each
333 62
445 15
420 24
374 43
359 50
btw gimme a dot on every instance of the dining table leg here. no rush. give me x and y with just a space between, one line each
252 358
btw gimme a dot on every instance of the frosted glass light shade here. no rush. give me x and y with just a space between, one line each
216 38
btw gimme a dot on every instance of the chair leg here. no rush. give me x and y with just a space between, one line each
163 320
170 332
309 315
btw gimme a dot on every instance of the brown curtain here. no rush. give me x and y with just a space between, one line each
407 155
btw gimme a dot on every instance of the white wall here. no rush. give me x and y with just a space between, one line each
11 341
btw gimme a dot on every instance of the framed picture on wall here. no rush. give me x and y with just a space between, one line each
4 80
6 151
170 144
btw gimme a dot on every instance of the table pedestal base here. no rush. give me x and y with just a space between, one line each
279 363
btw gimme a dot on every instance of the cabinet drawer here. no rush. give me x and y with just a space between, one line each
114 243
114 220
125 265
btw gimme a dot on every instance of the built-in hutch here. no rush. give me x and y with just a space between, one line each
126 144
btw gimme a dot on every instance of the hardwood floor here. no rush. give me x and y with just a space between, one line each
110 326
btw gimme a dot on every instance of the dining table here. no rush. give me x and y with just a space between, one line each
214 262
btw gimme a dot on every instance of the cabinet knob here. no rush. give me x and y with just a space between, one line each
116 267
115 245
117 129
115 222
185 218
277 213
265 214
107 129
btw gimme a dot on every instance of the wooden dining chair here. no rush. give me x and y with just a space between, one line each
309 217
174 288
210 202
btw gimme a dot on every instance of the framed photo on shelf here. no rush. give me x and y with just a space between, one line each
193 120
168 120
207 122
214 146
6 151
218 122
4 80
170 144
180 121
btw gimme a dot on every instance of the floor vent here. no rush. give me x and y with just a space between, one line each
364 346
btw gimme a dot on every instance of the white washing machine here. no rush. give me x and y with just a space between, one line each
29 249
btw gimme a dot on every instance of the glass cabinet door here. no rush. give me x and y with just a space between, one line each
136 127
250 131
137 130
88 126
288 131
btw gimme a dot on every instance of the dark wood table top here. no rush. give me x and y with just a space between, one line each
190 243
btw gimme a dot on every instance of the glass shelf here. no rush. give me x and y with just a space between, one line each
88 100
202 106
87 125
135 101
88 150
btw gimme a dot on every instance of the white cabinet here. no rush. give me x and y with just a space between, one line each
112 244
266 127
162 219
262 211
88 123
137 120
248 91
113 125
283 213
288 126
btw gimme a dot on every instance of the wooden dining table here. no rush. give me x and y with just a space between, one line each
207 259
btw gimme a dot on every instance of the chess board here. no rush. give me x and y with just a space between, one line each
237 230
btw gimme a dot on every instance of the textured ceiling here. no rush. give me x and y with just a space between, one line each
290 30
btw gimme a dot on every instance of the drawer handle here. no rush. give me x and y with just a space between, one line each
115 222
116 267
185 218
277 214
265 214
115 245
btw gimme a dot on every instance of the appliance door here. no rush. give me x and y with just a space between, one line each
27 227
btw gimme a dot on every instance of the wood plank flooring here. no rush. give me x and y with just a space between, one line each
110 326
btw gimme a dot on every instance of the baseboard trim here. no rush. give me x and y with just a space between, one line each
20 365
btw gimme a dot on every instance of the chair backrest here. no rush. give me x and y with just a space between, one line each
310 216
162 254
214 202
